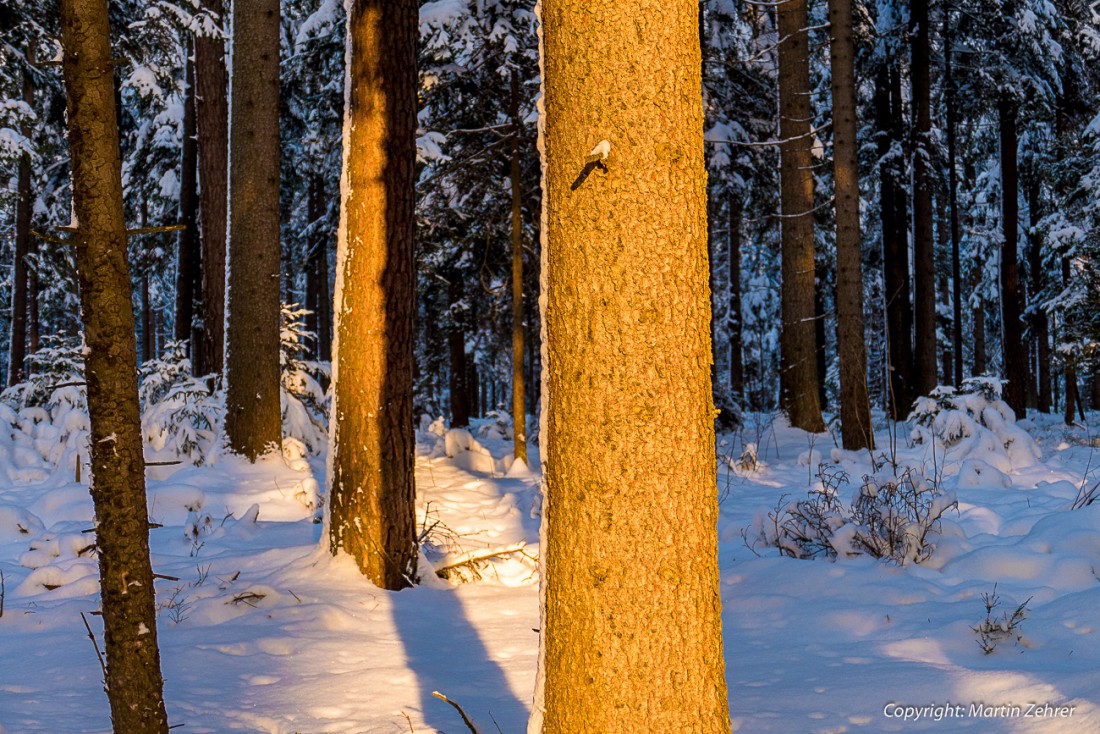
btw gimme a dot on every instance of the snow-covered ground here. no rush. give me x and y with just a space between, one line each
265 632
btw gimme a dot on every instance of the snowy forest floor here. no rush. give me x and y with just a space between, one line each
264 632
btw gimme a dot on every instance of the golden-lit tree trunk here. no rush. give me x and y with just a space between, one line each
253 415
631 629
799 395
519 405
372 507
212 126
134 684
855 404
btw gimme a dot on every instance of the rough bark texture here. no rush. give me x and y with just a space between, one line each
519 406
212 125
118 470
372 506
1012 344
895 243
855 404
798 379
188 262
1040 324
20 275
734 324
632 632
924 268
253 416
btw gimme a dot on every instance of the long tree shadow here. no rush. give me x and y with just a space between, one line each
447 655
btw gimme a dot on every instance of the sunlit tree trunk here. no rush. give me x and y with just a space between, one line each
134 684
632 632
519 406
253 416
372 508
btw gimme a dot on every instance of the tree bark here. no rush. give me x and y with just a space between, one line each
519 405
188 264
23 211
1040 324
895 243
373 496
953 197
318 299
855 404
212 126
734 325
134 684
253 416
1015 365
632 630
461 397
924 266
798 378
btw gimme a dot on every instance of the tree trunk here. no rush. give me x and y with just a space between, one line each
519 406
188 265
134 684
1040 324
895 243
798 378
460 397
734 326
212 126
855 404
1015 365
953 197
318 299
23 211
253 416
373 496
147 352
631 633
924 266
943 290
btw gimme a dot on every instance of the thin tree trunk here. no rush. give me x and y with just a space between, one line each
943 288
631 633
734 326
855 404
19 300
924 266
953 196
134 684
146 320
187 259
799 380
519 407
1015 365
1040 324
460 398
253 416
212 126
372 509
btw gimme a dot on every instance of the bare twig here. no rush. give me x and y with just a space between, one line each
465 719
409 719
471 557
2 593
98 654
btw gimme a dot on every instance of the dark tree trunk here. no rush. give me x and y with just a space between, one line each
212 125
20 276
456 344
519 406
318 299
943 287
953 197
188 264
134 684
1015 364
895 244
734 326
799 381
372 511
147 337
924 266
1040 324
253 416
855 405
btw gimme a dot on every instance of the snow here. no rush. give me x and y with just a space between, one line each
265 631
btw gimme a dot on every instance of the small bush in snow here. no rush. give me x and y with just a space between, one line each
304 383
496 425
973 422
995 629
179 412
891 518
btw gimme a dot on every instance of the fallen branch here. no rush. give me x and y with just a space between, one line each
2 593
469 558
466 719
